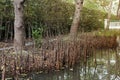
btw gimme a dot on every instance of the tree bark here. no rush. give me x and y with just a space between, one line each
19 34
118 11
76 18
109 15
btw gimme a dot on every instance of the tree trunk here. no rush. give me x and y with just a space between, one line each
76 18
109 15
19 34
118 11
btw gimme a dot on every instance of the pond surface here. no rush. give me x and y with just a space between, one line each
104 65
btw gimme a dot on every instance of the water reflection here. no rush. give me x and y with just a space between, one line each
105 65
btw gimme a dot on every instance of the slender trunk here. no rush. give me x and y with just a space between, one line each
19 25
109 15
76 19
118 10
1 21
3 68
11 32
29 31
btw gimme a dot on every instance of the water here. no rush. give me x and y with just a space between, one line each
104 65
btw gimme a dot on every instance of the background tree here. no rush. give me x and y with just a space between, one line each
19 25
118 10
54 16
106 6
109 14
76 18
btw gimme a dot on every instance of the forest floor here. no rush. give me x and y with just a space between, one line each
9 44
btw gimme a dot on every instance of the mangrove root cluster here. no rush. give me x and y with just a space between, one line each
53 55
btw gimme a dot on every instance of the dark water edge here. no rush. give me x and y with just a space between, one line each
104 65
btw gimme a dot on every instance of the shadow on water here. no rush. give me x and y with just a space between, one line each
103 65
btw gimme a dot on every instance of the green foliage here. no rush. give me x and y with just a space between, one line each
50 15
97 4
37 36
91 20
107 33
57 16
37 31
54 14
2 27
